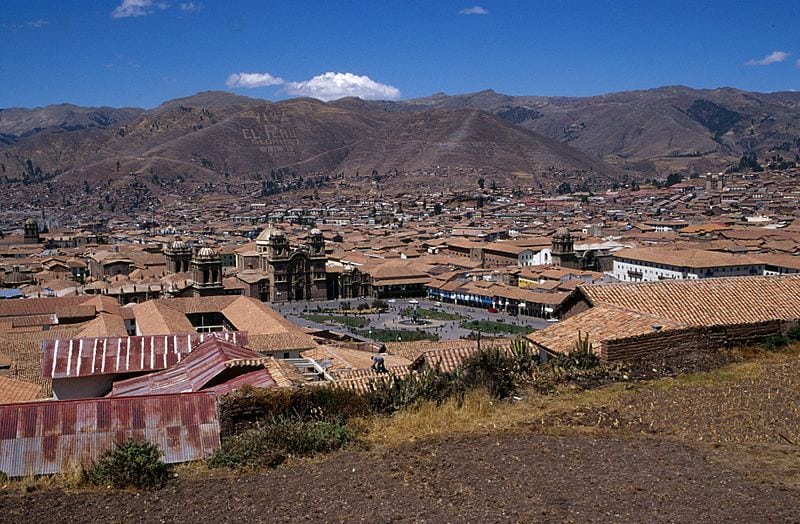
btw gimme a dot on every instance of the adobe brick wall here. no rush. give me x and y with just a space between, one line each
683 342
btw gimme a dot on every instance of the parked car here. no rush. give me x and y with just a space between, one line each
492 310
437 304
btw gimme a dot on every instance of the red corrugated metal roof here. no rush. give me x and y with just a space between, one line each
70 358
47 437
207 365
260 378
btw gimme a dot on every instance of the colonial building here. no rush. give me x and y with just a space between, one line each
652 264
279 272
565 254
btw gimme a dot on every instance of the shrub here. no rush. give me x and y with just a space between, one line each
581 356
493 369
526 360
242 408
794 333
271 444
775 342
362 306
390 394
134 463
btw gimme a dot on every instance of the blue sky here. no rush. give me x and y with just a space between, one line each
143 52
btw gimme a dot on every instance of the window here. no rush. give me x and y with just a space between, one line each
286 354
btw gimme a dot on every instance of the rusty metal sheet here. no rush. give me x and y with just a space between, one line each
207 361
47 437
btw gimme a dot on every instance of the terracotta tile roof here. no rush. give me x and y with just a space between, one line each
277 342
104 325
25 349
155 317
349 374
401 281
446 360
342 358
12 390
257 318
689 258
283 373
33 320
397 269
601 323
450 359
268 331
781 260
412 350
71 312
706 302
367 382
38 306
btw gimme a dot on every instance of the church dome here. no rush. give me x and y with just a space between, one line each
179 245
206 253
316 232
30 222
269 233
562 232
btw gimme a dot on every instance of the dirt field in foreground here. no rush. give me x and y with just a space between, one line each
521 475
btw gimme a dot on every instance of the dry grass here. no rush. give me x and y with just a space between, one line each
746 415
754 402
74 477
479 413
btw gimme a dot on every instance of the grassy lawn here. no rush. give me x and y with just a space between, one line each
322 318
390 335
432 314
496 328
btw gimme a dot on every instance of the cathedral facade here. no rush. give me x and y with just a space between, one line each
290 273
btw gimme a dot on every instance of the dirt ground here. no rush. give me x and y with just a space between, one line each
722 446
522 475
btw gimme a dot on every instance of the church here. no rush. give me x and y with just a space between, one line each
587 258
279 272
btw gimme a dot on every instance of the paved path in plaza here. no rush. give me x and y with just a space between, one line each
446 330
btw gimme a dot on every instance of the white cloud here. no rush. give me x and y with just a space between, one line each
474 10
330 86
37 24
30 24
251 80
189 6
130 8
772 58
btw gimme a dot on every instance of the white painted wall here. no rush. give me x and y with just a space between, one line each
532 258
651 272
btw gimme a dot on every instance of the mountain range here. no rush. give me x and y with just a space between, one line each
246 144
